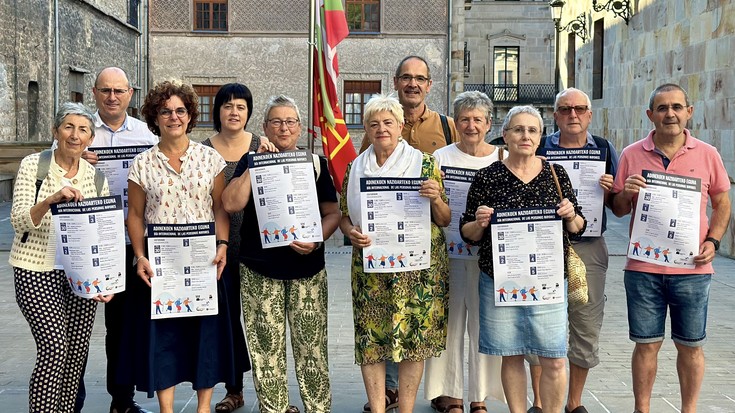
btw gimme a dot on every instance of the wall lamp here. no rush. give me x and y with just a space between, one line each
620 8
577 26
556 7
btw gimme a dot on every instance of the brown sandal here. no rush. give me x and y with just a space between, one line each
391 401
451 407
439 404
478 408
230 403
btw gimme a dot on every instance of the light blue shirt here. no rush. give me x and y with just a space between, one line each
552 142
133 132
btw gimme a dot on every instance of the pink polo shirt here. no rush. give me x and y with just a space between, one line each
695 159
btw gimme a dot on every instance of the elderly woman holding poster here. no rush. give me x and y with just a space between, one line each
521 180
399 316
60 321
285 285
445 374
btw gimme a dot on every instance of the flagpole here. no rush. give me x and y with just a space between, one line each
312 45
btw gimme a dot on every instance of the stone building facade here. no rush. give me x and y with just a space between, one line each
265 46
509 55
91 35
689 43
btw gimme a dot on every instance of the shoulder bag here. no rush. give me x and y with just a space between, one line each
577 291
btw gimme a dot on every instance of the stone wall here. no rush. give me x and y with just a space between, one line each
523 24
26 57
685 42
90 38
266 49
110 44
526 24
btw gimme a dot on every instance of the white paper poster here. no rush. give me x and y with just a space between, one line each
666 221
398 221
584 166
184 282
528 256
284 193
115 162
90 244
457 183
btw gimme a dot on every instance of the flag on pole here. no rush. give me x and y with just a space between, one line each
328 123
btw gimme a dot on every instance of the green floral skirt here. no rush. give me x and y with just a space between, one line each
401 316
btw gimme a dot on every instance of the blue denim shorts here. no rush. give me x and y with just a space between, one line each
649 297
512 331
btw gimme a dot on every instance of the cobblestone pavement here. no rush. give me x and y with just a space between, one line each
608 387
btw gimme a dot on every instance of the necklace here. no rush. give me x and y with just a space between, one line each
174 152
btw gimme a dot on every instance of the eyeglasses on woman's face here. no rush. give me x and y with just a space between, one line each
167 113
521 130
277 123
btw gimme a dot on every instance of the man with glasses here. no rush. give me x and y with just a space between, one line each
652 289
113 127
424 129
573 114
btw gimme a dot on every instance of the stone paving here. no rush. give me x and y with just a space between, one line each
608 388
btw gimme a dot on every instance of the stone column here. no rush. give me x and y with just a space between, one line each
456 58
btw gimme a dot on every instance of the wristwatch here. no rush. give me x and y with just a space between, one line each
714 242
222 242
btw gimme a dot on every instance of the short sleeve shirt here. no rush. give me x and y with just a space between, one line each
178 198
695 159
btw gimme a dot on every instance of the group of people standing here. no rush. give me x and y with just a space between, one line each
444 302
405 321
144 354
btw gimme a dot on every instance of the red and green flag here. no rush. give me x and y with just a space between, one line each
328 123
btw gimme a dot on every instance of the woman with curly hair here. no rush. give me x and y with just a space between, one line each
190 349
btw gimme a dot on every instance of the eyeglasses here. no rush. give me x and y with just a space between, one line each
520 130
420 80
166 113
108 91
566 110
277 123
676 107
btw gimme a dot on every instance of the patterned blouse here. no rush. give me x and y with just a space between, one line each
38 252
497 187
178 198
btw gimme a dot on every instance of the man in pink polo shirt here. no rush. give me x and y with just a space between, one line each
652 288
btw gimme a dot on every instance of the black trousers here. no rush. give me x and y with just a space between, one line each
114 319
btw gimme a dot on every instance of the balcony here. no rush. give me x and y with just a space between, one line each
537 94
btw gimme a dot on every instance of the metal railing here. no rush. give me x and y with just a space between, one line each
516 94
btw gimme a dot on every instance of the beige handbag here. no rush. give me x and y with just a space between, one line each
577 291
